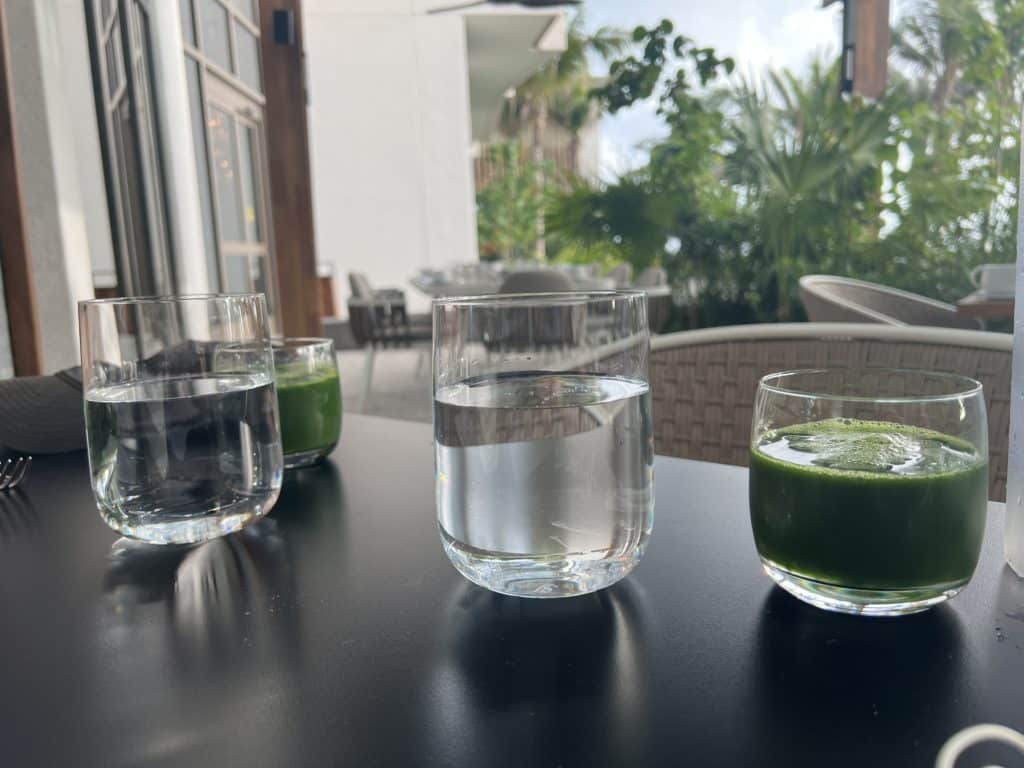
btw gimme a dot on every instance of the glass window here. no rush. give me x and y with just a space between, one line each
202 171
249 9
188 27
247 48
135 45
216 45
225 174
247 170
115 73
237 272
260 278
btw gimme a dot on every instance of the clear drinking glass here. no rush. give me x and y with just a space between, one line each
543 439
309 399
184 443
869 488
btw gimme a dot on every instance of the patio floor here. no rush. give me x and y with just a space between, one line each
399 387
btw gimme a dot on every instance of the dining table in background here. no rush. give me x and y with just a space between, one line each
335 632
984 307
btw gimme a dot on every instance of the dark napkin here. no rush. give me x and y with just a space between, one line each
45 414
42 414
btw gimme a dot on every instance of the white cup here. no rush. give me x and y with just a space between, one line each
995 279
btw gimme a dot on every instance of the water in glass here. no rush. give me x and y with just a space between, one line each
179 459
544 480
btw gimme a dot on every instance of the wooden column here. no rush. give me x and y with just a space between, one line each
291 193
19 292
866 40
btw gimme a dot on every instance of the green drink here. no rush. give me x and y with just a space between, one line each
310 411
894 511
308 398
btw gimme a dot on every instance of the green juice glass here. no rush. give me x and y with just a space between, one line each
308 399
869 488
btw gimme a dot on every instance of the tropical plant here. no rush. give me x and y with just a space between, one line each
761 181
508 207
559 92
807 165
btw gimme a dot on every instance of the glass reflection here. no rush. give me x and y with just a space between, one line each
203 601
890 681
311 509
193 641
574 668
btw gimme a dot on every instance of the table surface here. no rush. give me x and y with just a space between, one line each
985 307
335 632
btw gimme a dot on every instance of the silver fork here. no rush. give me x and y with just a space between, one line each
13 471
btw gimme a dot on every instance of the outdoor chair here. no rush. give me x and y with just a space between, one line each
526 326
829 299
536 281
703 382
621 274
361 289
379 319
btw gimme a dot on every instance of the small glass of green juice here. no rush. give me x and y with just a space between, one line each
869 488
308 399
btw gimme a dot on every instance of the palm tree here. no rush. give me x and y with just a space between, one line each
968 54
573 109
934 39
559 92
805 161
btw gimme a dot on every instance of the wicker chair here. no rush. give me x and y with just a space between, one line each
536 281
829 299
703 382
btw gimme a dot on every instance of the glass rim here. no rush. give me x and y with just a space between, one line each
537 298
964 386
164 298
300 342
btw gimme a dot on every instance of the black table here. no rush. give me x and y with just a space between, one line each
336 633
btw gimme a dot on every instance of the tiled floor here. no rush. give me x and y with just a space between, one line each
399 387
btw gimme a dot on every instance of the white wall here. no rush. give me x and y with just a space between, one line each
390 140
60 165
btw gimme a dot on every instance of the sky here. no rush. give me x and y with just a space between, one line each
756 33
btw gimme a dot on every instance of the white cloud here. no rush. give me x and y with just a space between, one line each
791 43
623 138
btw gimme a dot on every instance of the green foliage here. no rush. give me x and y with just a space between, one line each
758 183
508 207
559 93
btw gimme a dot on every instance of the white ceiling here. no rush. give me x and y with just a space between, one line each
505 47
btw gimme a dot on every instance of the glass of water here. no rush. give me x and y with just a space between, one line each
181 414
543 439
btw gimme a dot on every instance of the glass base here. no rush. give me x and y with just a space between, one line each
306 458
159 529
864 602
540 577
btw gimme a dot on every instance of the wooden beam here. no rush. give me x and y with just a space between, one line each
870 63
291 194
866 40
15 261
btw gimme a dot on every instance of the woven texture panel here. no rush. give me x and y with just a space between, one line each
704 393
